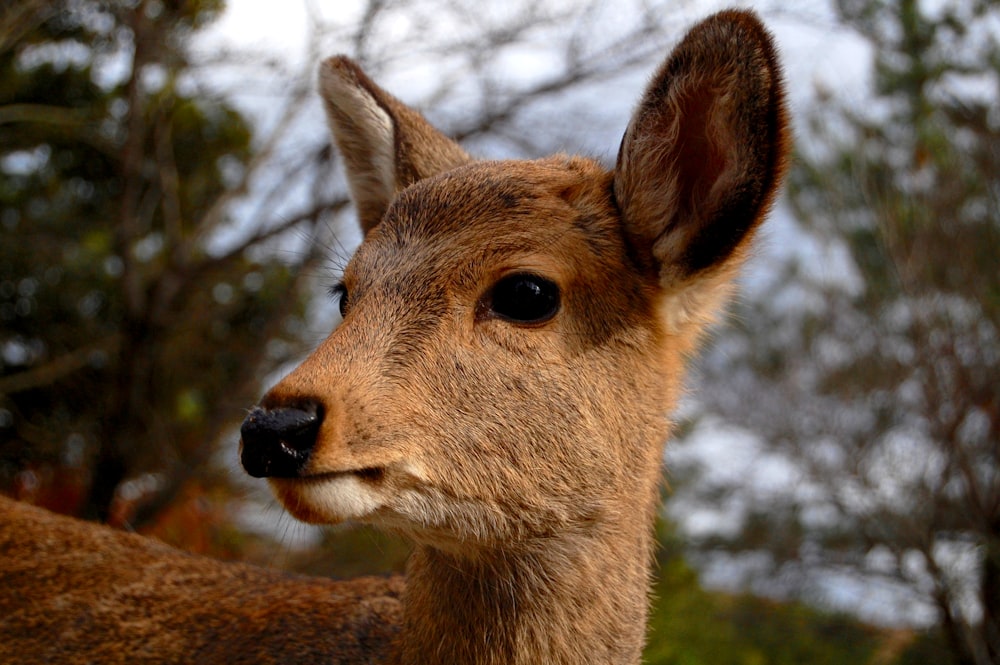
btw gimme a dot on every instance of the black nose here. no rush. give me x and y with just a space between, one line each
276 443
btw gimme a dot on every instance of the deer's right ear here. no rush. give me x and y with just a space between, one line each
703 155
386 145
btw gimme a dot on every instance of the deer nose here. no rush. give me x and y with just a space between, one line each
276 443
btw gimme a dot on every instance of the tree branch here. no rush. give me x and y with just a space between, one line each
57 368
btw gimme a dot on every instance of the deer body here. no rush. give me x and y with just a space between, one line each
72 592
513 341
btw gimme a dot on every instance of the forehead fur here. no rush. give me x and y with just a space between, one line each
520 196
497 213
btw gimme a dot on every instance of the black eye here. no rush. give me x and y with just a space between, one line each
339 291
524 298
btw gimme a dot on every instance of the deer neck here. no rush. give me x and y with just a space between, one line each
581 598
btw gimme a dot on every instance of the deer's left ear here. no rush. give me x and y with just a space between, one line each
705 151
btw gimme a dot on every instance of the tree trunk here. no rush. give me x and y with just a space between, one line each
109 472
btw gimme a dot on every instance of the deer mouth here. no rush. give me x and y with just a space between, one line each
372 474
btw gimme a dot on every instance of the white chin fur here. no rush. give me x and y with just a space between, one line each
335 498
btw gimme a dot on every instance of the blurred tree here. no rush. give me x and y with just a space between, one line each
876 399
129 341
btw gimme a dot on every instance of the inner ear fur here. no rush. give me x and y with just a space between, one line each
705 150
386 145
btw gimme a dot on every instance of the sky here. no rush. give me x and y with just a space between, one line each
816 51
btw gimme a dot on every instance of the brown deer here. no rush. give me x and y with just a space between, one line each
514 338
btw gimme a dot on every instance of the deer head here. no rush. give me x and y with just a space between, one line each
514 332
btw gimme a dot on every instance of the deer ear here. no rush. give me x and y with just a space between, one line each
704 152
386 145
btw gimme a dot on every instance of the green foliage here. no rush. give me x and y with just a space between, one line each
691 626
927 647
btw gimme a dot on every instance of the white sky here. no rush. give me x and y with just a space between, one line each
816 51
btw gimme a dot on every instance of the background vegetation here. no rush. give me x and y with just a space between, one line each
164 244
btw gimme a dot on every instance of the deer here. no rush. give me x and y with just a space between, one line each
513 342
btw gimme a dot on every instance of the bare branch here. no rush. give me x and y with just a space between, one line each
57 369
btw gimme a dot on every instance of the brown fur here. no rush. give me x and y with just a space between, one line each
73 592
523 460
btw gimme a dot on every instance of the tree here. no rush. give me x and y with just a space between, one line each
132 338
876 404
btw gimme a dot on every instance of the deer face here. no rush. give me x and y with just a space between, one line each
492 357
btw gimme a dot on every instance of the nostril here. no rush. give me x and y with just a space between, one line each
277 442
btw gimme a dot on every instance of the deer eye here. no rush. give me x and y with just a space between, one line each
524 298
339 291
